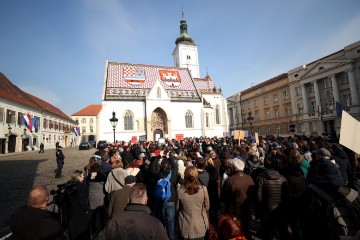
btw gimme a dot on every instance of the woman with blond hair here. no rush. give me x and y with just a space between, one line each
192 204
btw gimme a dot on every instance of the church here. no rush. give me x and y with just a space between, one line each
152 102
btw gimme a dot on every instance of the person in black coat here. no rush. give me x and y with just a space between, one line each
342 161
59 161
34 222
80 209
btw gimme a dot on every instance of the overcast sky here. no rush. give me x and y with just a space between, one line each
57 50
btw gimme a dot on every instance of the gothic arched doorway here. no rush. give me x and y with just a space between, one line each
159 123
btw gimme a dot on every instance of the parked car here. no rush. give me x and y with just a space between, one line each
85 146
102 144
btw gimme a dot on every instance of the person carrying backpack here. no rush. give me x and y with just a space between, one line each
165 202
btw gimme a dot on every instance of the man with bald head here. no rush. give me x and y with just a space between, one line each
34 221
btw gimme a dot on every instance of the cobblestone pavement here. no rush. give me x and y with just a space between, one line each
19 172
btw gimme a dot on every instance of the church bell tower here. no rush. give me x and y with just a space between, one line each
186 51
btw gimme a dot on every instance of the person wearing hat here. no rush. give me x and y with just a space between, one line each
119 199
59 161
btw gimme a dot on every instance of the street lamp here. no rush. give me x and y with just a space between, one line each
113 122
250 119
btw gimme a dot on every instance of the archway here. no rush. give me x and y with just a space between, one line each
159 123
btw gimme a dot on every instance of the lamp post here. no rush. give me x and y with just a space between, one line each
113 122
250 119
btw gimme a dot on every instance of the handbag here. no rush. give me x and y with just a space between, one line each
211 233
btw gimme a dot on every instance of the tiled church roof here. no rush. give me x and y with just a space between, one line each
13 93
134 81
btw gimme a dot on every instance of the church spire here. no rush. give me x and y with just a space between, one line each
184 37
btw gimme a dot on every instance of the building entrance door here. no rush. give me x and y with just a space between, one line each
11 143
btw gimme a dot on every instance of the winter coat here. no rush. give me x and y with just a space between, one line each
111 184
134 223
34 224
237 194
342 160
271 191
119 200
193 221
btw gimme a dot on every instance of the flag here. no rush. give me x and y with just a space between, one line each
319 113
77 131
338 108
27 121
35 123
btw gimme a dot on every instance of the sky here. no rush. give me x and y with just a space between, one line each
57 50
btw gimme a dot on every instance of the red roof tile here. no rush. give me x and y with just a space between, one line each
12 93
91 110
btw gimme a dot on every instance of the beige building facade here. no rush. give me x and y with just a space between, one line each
325 87
269 104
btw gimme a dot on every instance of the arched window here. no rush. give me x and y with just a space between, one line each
128 120
207 119
189 119
158 93
217 114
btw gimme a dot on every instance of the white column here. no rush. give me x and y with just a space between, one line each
353 91
317 94
335 88
305 99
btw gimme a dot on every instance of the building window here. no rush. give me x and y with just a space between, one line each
311 88
189 119
207 118
188 57
297 91
255 103
301 127
347 100
10 116
313 106
231 116
128 120
269 130
278 129
287 112
91 129
77 120
20 122
217 114
83 120
312 127
243 107
83 129
286 95
244 120
257 118
277 113
266 100
327 83
91 121
344 78
329 104
267 115
299 109
275 97
1 115
158 92
249 105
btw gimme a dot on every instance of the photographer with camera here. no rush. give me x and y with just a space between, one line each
34 221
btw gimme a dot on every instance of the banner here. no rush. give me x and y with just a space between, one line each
350 132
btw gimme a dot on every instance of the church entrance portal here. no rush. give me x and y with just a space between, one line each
158 123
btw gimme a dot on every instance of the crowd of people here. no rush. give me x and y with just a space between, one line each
270 181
